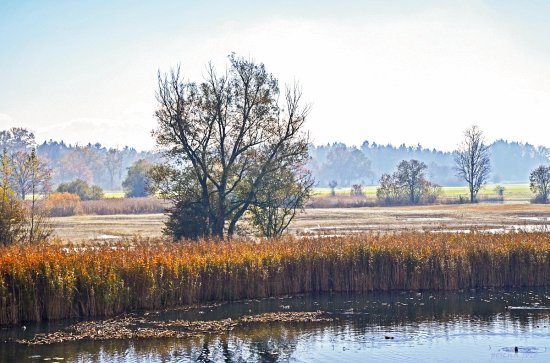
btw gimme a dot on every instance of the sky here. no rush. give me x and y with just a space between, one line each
384 71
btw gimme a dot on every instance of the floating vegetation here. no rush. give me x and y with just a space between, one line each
132 327
50 282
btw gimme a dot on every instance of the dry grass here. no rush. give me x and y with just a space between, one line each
148 205
53 282
342 201
326 220
63 204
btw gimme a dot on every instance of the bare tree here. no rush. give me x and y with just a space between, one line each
230 133
113 163
29 172
540 183
472 161
38 176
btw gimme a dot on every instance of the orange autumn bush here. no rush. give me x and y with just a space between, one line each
63 204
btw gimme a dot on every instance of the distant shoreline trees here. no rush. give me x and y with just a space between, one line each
540 183
511 162
407 185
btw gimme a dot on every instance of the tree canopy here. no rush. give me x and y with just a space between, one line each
227 137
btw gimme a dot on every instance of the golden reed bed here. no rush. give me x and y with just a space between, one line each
54 282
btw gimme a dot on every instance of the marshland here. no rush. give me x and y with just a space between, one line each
41 283
377 190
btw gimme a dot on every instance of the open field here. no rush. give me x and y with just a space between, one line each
463 217
512 192
111 194
107 227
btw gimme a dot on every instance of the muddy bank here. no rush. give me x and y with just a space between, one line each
134 327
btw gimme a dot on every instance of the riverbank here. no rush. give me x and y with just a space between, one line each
50 282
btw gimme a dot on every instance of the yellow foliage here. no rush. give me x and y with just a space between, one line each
63 204
52 282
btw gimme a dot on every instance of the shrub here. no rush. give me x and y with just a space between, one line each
82 189
13 218
63 204
186 220
499 190
357 190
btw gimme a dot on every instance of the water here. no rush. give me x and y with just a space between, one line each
467 326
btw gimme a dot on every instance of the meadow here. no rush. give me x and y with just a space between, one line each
512 192
48 282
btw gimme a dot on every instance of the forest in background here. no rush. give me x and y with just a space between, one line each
511 162
93 163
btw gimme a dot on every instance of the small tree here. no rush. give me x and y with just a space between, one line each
357 190
388 191
276 203
30 172
472 161
137 181
408 185
410 176
332 185
540 183
38 177
13 219
499 190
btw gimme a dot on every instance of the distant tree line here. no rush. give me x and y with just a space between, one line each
347 165
93 163
332 163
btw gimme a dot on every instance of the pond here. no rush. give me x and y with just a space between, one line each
465 326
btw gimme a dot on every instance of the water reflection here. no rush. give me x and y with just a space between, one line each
401 326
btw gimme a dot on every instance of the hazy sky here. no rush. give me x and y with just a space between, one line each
386 71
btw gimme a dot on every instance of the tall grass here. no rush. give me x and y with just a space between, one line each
63 204
145 205
52 282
